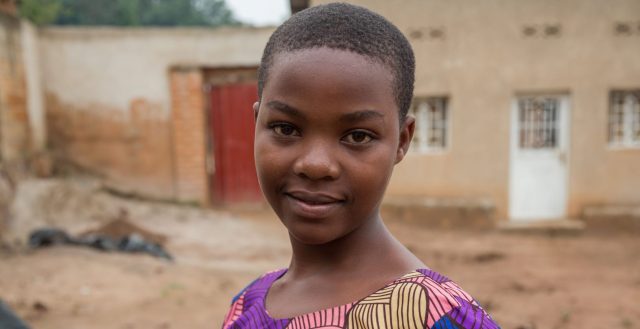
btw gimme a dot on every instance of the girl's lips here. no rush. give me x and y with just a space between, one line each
312 205
313 197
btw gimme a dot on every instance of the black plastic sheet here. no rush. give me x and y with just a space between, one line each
133 243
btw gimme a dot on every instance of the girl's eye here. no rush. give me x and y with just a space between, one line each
283 129
358 137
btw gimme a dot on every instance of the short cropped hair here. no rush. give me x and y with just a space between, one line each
351 28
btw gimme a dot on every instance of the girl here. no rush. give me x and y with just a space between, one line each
335 86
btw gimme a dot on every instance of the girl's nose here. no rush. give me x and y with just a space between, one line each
317 162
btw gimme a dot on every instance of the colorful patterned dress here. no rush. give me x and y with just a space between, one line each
420 299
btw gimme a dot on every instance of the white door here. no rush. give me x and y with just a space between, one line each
538 171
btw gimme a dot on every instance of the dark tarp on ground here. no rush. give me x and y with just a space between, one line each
130 243
8 319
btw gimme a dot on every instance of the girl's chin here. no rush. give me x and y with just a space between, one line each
313 237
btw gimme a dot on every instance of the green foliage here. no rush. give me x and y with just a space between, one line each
128 12
40 12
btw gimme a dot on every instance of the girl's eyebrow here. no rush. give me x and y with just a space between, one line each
285 108
352 117
359 116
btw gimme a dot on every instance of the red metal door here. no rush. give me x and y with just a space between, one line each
232 125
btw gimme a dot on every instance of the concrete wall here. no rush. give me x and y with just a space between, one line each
481 60
113 97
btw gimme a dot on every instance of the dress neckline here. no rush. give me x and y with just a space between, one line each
279 273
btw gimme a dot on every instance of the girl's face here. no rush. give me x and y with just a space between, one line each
326 140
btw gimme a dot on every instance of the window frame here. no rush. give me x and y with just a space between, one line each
421 146
627 142
535 123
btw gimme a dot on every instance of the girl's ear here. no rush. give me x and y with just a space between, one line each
406 135
256 107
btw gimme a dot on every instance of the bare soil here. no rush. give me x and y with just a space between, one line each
525 281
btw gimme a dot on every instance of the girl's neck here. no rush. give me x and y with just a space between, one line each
369 249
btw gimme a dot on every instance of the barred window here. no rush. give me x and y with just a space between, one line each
432 118
538 117
624 118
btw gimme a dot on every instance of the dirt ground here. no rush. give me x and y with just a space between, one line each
525 281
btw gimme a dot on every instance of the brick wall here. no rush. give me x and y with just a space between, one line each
14 119
97 78
139 150
9 7
189 141
130 147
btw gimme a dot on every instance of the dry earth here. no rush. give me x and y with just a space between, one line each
524 281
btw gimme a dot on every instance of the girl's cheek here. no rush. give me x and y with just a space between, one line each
269 161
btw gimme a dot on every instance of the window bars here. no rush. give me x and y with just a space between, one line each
538 122
431 124
624 118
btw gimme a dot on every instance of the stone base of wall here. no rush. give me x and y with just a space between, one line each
440 213
604 219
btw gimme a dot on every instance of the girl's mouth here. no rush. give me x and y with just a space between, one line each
312 204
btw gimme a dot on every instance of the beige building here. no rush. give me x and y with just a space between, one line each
533 105
526 110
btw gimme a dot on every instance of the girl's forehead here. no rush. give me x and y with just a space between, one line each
327 56
322 82
335 65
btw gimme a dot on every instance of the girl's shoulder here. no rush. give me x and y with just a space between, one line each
251 297
259 286
428 297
